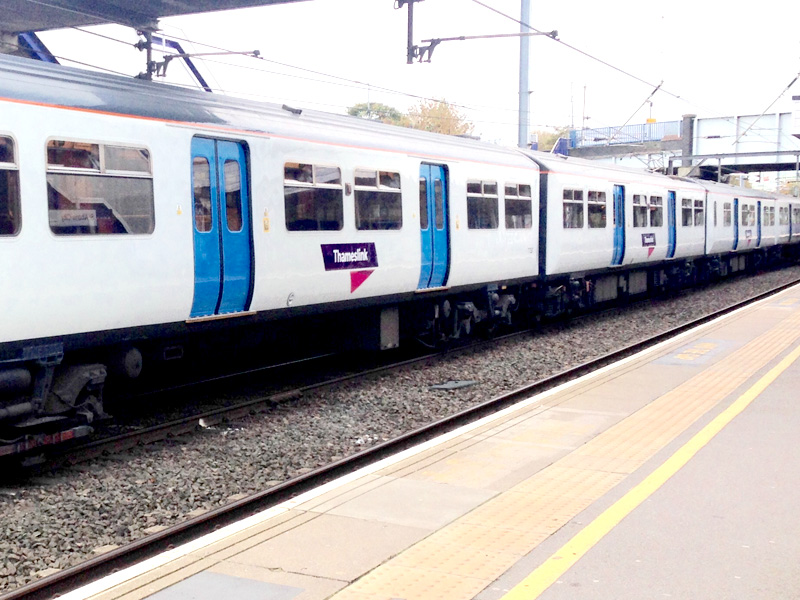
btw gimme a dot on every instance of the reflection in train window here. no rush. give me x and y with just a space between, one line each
482 205
517 200
313 197
573 209
656 211
596 209
201 189
99 189
378 201
9 189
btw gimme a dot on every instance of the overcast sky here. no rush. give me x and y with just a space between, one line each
714 58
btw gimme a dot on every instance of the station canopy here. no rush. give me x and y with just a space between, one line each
19 16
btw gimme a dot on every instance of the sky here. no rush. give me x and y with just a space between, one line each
711 59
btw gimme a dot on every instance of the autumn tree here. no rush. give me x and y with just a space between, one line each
548 138
375 111
439 117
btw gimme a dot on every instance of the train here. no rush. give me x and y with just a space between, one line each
138 219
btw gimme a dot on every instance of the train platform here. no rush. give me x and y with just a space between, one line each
670 474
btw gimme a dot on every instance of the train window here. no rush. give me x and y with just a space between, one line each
748 215
699 213
769 212
726 214
715 213
482 205
596 209
99 189
201 188
233 195
313 197
783 215
796 215
438 203
686 212
656 211
9 188
518 206
573 209
378 200
423 203
639 210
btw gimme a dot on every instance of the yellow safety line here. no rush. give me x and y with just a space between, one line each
558 564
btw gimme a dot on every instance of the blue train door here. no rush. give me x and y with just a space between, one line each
619 225
433 225
735 223
671 225
758 216
221 209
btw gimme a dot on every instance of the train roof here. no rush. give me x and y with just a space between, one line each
36 82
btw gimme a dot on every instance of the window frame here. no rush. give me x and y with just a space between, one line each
568 223
97 172
13 205
483 203
594 199
383 192
519 199
315 200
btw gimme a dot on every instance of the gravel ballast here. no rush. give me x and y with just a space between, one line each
59 520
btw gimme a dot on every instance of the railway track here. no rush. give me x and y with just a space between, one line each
143 548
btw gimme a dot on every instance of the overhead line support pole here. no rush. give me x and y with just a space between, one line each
524 91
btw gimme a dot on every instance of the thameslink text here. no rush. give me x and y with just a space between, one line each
358 255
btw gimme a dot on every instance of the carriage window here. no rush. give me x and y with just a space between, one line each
686 212
769 216
99 189
796 215
596 209
726 214
639 210
783 215
423 203
699 214
438 203
313 197
233 196
656 211
201 187
518 206
482 205
9 188
748 215
573 209
378 200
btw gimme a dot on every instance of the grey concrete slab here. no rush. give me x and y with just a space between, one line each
424 505
332 546
213 586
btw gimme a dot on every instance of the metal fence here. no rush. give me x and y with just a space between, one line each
629 134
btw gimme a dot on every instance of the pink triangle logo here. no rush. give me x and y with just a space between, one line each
650 251
357 278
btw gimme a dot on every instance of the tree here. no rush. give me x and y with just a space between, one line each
548 138
375 111
439 117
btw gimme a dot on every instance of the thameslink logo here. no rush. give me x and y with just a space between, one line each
359 255
349 256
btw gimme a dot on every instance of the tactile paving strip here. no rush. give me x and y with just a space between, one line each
461 559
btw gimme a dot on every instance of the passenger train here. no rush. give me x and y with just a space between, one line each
138 218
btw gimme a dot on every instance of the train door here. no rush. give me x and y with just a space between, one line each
758 217
672 237
619 225
433 224
735 223
223 260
